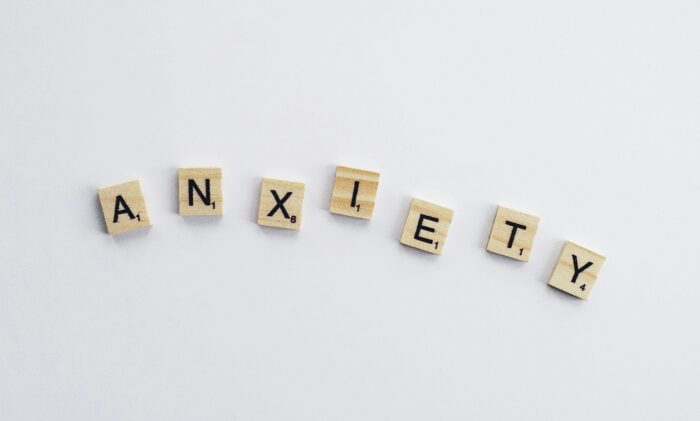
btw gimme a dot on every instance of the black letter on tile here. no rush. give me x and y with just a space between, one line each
516 227
576 268
280 203
422 227
121 203
192 186
355 190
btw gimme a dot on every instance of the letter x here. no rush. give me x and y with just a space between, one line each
280 203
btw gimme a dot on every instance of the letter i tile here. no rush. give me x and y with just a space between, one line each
354 192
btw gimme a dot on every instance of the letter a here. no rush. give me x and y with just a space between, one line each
121 207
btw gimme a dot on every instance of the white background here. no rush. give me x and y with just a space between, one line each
584 113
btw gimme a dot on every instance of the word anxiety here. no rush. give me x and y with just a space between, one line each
354 194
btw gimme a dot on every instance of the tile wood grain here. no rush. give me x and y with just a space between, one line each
200 191
577 270
124 207
281 204
513 233
426 226
354 192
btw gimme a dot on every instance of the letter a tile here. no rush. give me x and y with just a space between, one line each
577 270
124 207
200 191
426 226
354 192
513 233
280 204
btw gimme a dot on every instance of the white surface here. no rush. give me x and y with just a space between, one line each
585 113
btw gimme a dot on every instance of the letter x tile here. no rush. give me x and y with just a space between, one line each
426 226
280 203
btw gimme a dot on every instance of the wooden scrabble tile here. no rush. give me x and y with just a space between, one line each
354 192
513 233
124 207
577 270
280 203
200 191
426 226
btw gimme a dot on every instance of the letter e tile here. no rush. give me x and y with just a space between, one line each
426 226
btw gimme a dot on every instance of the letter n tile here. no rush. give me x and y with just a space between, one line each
200 191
